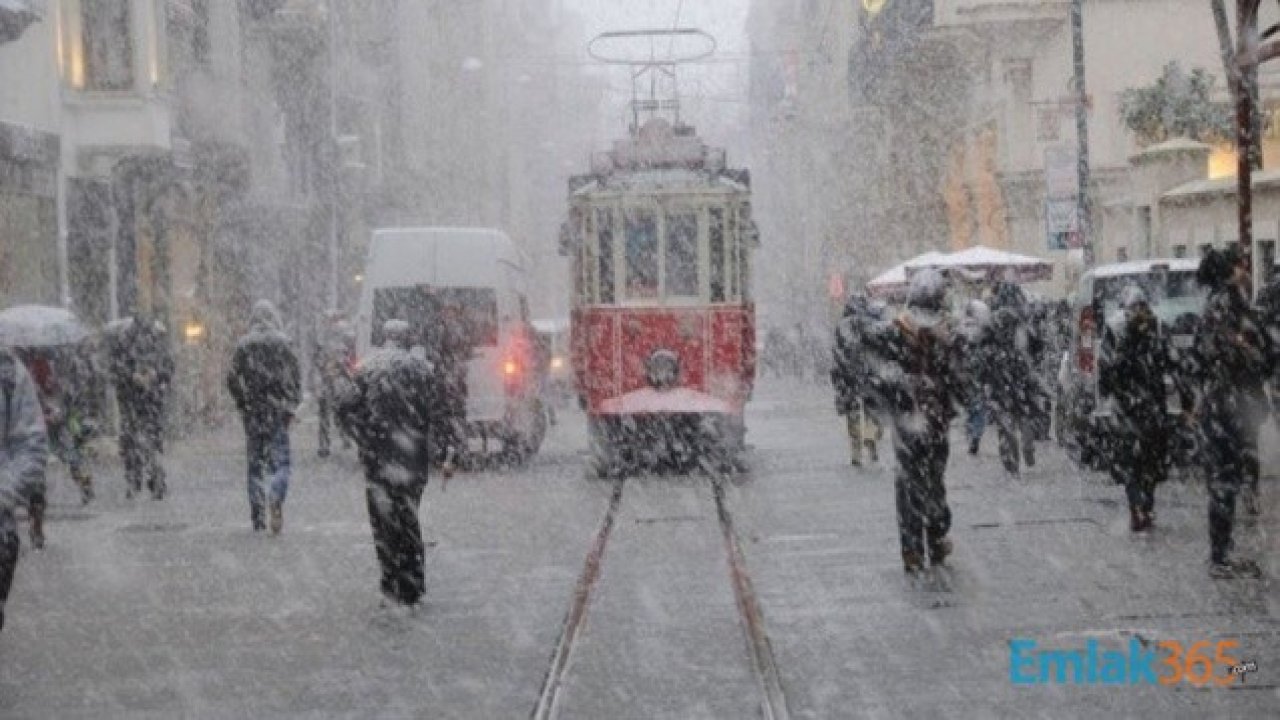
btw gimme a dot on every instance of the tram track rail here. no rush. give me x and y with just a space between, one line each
764 669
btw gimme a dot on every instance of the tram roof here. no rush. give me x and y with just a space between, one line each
658 181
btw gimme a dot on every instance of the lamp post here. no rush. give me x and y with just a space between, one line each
1084 208
335 164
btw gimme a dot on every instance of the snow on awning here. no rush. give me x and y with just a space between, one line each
894 280
989 262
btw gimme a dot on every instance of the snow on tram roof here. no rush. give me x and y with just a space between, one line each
659 179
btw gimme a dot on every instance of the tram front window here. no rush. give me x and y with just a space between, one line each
682 255
642 255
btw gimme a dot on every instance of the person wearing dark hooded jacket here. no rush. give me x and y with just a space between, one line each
916 377
141 366
23 450
849 377
264 381
1232 350
1134 375
1009 377
395 409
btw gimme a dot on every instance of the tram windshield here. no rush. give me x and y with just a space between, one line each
641 248
681 261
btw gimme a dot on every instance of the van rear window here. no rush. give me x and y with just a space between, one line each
435 315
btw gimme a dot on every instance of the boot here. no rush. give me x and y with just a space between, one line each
939 550
1235 570
86 488
912 563
871 450
1249 501
37 527
277 517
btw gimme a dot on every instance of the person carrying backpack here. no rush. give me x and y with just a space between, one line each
265 383
23 450
916 377
395 409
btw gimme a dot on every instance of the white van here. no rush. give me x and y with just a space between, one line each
464 289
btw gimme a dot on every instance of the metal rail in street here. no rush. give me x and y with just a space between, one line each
773 702
548 698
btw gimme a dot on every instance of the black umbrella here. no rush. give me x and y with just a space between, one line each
15 17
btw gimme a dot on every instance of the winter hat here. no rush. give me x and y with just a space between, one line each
978 311
927 291
1215 268
264 317
1007 295
1132 296
856 306
395 333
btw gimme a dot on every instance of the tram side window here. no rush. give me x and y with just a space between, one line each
604 221
682 254
716 242
642 254
585 263
735 242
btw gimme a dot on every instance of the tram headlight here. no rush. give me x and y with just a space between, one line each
662 369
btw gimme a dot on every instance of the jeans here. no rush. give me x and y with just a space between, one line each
268 456
975 423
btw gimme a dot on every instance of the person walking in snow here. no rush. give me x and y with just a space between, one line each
1232 349
395 409
916 377
1134 375
141 366
975 330
849 377
1009 378
23 450
333 362
264 382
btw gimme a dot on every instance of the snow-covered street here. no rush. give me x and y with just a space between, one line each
177 609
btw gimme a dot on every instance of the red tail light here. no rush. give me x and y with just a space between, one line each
510 369
1088 331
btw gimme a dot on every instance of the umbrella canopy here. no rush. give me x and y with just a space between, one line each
15 16
894 280
40 326
990 263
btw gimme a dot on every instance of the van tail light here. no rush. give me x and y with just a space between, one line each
1086 352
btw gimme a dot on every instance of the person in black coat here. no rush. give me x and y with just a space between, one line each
1134 374
1009 377
141 366
849 378
1232 349
916 377
395 409
264 382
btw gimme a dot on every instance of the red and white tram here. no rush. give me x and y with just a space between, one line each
663 323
